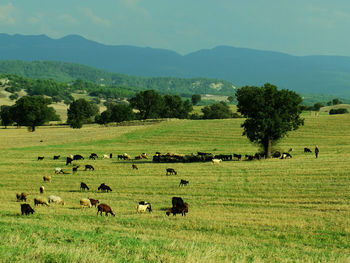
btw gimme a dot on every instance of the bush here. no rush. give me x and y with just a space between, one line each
338 111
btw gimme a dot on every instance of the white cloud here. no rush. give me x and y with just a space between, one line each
68 19
7 14
94 18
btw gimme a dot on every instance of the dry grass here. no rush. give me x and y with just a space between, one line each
294 210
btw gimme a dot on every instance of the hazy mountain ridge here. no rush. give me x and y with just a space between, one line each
241 66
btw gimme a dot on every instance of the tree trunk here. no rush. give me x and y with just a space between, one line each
268 147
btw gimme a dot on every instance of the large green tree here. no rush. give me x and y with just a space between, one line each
80 112
5 115
270 114
174 107
149 103
33 111
218 110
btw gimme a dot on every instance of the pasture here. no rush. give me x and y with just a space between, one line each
294 210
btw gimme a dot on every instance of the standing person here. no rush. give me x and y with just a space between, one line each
316 151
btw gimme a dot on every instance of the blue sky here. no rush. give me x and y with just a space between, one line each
299 27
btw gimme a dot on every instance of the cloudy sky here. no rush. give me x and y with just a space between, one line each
296 27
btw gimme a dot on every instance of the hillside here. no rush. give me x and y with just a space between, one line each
308 74
66 72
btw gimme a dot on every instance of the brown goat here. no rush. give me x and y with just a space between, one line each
94 202
22 197
104 208
134 166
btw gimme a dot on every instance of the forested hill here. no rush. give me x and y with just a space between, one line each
66 72
307 74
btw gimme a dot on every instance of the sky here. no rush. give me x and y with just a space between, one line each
299 27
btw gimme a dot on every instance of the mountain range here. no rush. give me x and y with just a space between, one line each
241 66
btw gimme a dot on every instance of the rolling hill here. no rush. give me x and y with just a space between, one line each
308 74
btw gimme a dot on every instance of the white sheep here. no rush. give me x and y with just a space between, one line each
143 206
105 156
85 202
216 161
55 199
40 201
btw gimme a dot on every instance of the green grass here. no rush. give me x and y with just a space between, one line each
295 210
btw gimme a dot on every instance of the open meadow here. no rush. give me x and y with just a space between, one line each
293 210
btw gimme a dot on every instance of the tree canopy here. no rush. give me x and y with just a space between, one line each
5 115
80 112
149 103
218 110
33 111
270 114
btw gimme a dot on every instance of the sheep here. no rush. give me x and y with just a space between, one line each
104 187
126 156
22 197
75 169
216 161
56 199
83 186
105 156
40 201
104 208
85 202
26 209
42 189
170 171
138 157
47 178
143 206
183 182
94 202
134 166
59 170
89 167
178 210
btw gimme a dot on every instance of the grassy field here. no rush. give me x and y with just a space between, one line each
295 210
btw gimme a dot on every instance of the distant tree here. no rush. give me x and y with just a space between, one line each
33 111
120 112
230 99
318 106
196 98
270 114
336 101
13 96
329 103
149 103
338 111
174 107
103 118
80 112
5 115
217 111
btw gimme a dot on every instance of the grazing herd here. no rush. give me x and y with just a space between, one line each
178 205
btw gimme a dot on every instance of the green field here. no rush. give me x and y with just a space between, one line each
295 210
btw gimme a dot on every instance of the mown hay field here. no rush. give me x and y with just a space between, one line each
294 210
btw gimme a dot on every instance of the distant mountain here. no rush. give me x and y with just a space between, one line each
308 74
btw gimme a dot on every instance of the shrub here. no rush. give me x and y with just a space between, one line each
338 111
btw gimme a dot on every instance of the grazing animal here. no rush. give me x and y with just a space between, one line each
178 210
40 201
75 169
238 156
93 156
85 202
59 170
69 160
26 209
183 182
120 157
83 186
143 206
105 156
42 189
216 161
56 157
138 157
104 208
177 202
40 158
170 171
290 150
249 157
134 166
276 154
110 155
78 157
144 156
94 202
22 197
104 187
89 167
307 150
126 156
285 156
55 199
47 178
